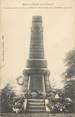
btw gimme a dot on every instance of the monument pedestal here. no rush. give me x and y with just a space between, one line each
38 81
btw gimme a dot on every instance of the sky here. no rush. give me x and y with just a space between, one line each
58 33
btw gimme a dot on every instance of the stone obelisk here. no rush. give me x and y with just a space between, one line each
36 72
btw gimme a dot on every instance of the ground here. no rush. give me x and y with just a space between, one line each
36 115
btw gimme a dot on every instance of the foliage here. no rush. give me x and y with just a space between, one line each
18 104
6 96
70 63
59 104
69 76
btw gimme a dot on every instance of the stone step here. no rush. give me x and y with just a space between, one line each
36 110
35 100
36 105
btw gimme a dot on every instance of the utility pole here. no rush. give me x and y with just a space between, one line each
2 52
3 48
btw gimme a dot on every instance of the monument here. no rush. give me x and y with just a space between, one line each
36 73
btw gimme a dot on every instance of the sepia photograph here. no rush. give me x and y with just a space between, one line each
37 58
